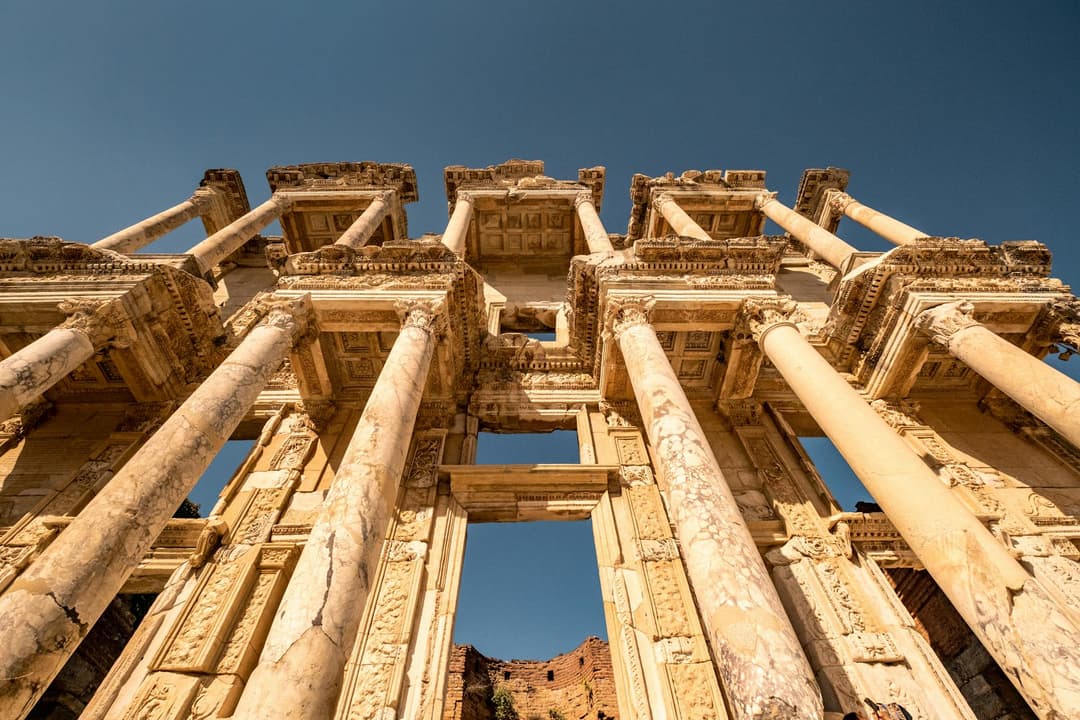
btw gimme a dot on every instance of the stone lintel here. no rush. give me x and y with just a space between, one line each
365 175
812 195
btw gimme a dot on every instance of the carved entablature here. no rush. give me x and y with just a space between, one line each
156 328
355 294
720 201
229 198
325 199
520 174
815 189
871 329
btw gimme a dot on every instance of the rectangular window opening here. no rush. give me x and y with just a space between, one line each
225 464
555 447
529 613
840 481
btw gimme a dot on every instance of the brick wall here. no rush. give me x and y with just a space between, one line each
579 684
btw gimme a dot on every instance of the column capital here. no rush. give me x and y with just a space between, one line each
104 322
838 201
944 321
464 196
282 200
383 195
585 196
758 316
628 311
427 315
294 315
204 196
663 199
763 198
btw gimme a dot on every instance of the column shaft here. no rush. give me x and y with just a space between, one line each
316 624
231 238
457 230
758 655
47 611
364 227
1036 644
834 250
887 227
1048 394
147 231
37 367
596 237
680 222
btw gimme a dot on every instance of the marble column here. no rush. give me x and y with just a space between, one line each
680 222
147 231
457 230
357 234
1034 642
1046 393
889 228
302 664
232 237
826 245
596 237
758 656
29 372
47 611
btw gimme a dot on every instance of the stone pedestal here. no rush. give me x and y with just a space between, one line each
889 228
757 653
680 222
457 230
1035 643
301 668
232 237
358 234
828 246
37 367
596 236
147 231
48 610
1048 394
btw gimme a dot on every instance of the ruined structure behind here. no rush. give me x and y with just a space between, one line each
690 355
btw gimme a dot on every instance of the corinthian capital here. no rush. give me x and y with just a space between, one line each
294 315
584 196
839 201
759 315
627 311
762 198
104 322
427 315
944 321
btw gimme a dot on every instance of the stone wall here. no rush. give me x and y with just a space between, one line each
578 684
986 689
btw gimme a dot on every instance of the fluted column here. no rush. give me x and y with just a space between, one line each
47 611
457 230
357 234
301 668
147 231
831 248
37 367
1034 642
887 227
596 237
1046 393
232 237
680 222
758 655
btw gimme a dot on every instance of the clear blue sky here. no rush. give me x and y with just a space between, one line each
959 118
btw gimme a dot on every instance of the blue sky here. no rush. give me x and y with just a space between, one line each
959 118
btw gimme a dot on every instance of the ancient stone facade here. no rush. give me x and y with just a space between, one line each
690 354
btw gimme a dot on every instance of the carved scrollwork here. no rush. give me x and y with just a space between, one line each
759 315
899 414
628 311
1067 314
294 315
944 321
427 315
105 322
839 201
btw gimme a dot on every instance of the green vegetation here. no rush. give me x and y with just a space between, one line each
504 705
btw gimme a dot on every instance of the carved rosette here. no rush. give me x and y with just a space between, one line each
944 321
104 322
427 315
758 316
627 311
